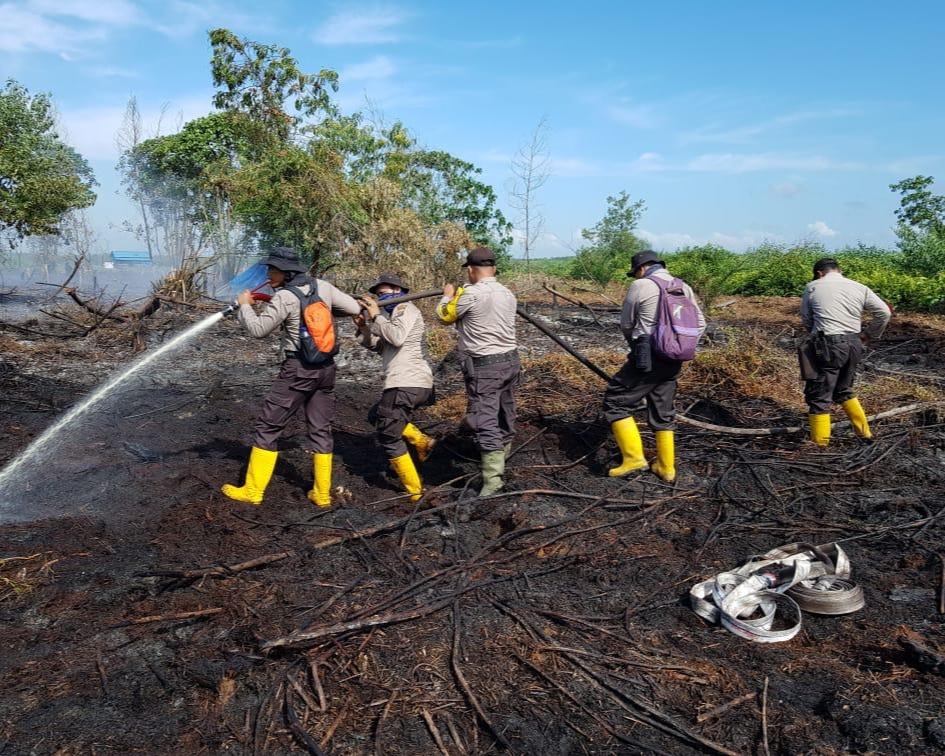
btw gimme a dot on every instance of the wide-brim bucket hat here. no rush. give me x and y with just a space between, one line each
285 259
391 279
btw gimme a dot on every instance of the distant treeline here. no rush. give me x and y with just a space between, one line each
910 278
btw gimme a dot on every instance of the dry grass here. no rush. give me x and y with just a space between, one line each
21 575
749 365
440 341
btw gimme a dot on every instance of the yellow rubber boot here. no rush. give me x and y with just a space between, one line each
665 464
407 472
258 474
820 429
630 444
320 495
857 416
419 440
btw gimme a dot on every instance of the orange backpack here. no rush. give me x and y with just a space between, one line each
318 343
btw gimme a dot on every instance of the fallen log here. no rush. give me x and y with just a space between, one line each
173 617
222 570
725 708
577 302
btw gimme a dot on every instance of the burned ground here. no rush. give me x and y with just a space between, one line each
555 621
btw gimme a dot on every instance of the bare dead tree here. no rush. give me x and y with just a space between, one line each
531 168
129 136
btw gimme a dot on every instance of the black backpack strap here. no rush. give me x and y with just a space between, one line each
312 296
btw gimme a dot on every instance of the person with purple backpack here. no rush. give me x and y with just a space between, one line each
662 322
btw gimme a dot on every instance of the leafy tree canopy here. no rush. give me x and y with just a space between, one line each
41 178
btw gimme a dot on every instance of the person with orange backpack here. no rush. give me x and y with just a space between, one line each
303 307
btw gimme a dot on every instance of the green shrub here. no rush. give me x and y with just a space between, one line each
709 269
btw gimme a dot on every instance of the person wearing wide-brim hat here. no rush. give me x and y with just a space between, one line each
645 375
484 314
300 384
396 333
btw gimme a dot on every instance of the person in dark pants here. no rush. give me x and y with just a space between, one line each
297 386
644 376
396 333
832 310
484 313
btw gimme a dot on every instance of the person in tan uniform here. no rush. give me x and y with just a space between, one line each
484 314
832 310
396 333
298 385
645 376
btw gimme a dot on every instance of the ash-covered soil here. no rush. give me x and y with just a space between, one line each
556 621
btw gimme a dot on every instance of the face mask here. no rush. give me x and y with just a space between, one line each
389 308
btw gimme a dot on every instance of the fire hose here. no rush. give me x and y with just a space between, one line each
798 576
703 425
600 373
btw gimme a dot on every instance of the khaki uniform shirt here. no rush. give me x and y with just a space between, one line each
285 309
486 318
398 338
641 305
834 304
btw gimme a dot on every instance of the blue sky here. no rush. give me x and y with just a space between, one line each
736 122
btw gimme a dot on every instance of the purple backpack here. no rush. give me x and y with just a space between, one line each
677 331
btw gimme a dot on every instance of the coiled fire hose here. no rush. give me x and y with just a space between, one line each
797 576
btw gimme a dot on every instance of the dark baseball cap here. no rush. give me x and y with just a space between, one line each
480 256
391 279
825 263
647 256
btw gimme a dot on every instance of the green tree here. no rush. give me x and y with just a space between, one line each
918 207
613 242
921 230
260 80
41 178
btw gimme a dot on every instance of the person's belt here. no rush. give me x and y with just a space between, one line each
295 356
494 359
840 337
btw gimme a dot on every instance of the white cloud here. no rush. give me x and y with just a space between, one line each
668 240
766 161
573 167
111 72
747 132
787 189
648 162
93 130
638 116
493 155
490 44
362 27
821 229
183 18
23 30
378 67
109 12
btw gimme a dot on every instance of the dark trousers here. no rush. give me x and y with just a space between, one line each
657 386
298 386
490 406
836 368
392 413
